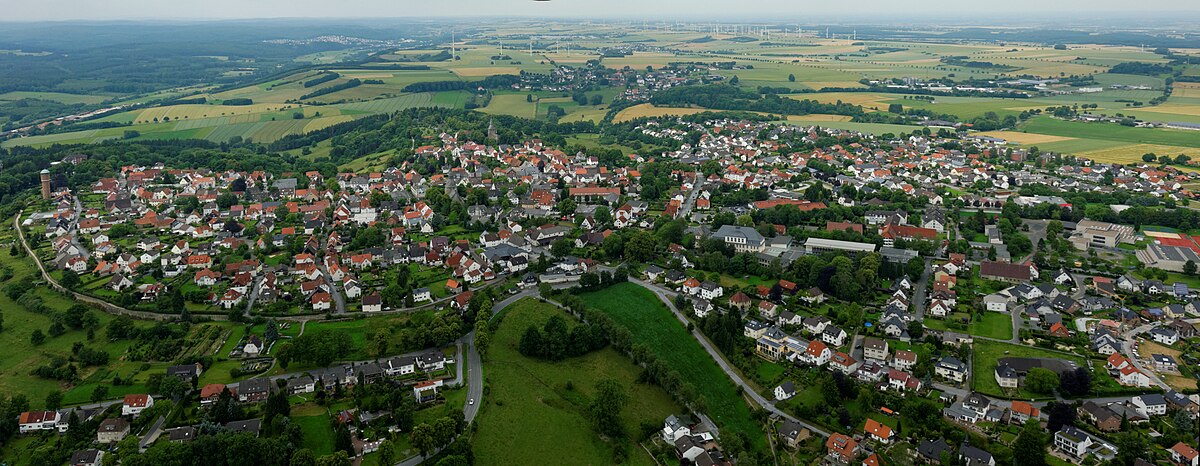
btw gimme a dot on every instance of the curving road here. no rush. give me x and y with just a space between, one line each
666 297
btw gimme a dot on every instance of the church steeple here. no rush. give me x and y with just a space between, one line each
491 131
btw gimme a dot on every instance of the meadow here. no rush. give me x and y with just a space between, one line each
984 355
654 326
535 412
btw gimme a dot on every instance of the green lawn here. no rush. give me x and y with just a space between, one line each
985 354
992 325
654 326
536 410
318 433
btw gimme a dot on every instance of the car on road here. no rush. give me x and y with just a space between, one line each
471 401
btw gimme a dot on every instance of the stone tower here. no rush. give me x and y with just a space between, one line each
45 184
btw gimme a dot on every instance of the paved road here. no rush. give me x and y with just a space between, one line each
339 302
75 229
690 201
255 287
666 296
152 434
922 287
474 370
1130 338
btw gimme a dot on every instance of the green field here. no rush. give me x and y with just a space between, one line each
1112 132
992 325
984 355
536 410
654 326
55 96
318 432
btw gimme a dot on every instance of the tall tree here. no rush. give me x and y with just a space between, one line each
1029 449
606 406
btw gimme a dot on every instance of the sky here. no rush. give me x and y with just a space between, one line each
44 10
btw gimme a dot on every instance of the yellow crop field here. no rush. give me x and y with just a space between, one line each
192 111
1177 109
647 110
818 85
1025 138
818 117
1133 152
1186 90
325 122
864 99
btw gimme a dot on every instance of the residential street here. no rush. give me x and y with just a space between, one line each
339 302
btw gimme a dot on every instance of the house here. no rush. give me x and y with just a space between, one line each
875 349
1007 272
1164 335
1132 377
931 451
1020 412
710 291
181 434
421 295
815 325
210 393
844 363
1078 444
31 421
901 381
793 433
904 360
841 448
299 385
676 427
112 430
1103 418
372 303
834 336
817 353
878 431
785 391
972 456
1152 404
254 390
135 404
186 372
1184 454
1164 363
950 368
996 302
89 457
249 426
740 301
253 346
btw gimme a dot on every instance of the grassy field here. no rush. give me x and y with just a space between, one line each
984 356
55 96
992 325
512 104
536 411
22 357
653 325
318 432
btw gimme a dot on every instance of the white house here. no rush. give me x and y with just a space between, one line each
135 404
785 391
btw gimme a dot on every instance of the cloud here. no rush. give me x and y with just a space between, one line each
664 9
